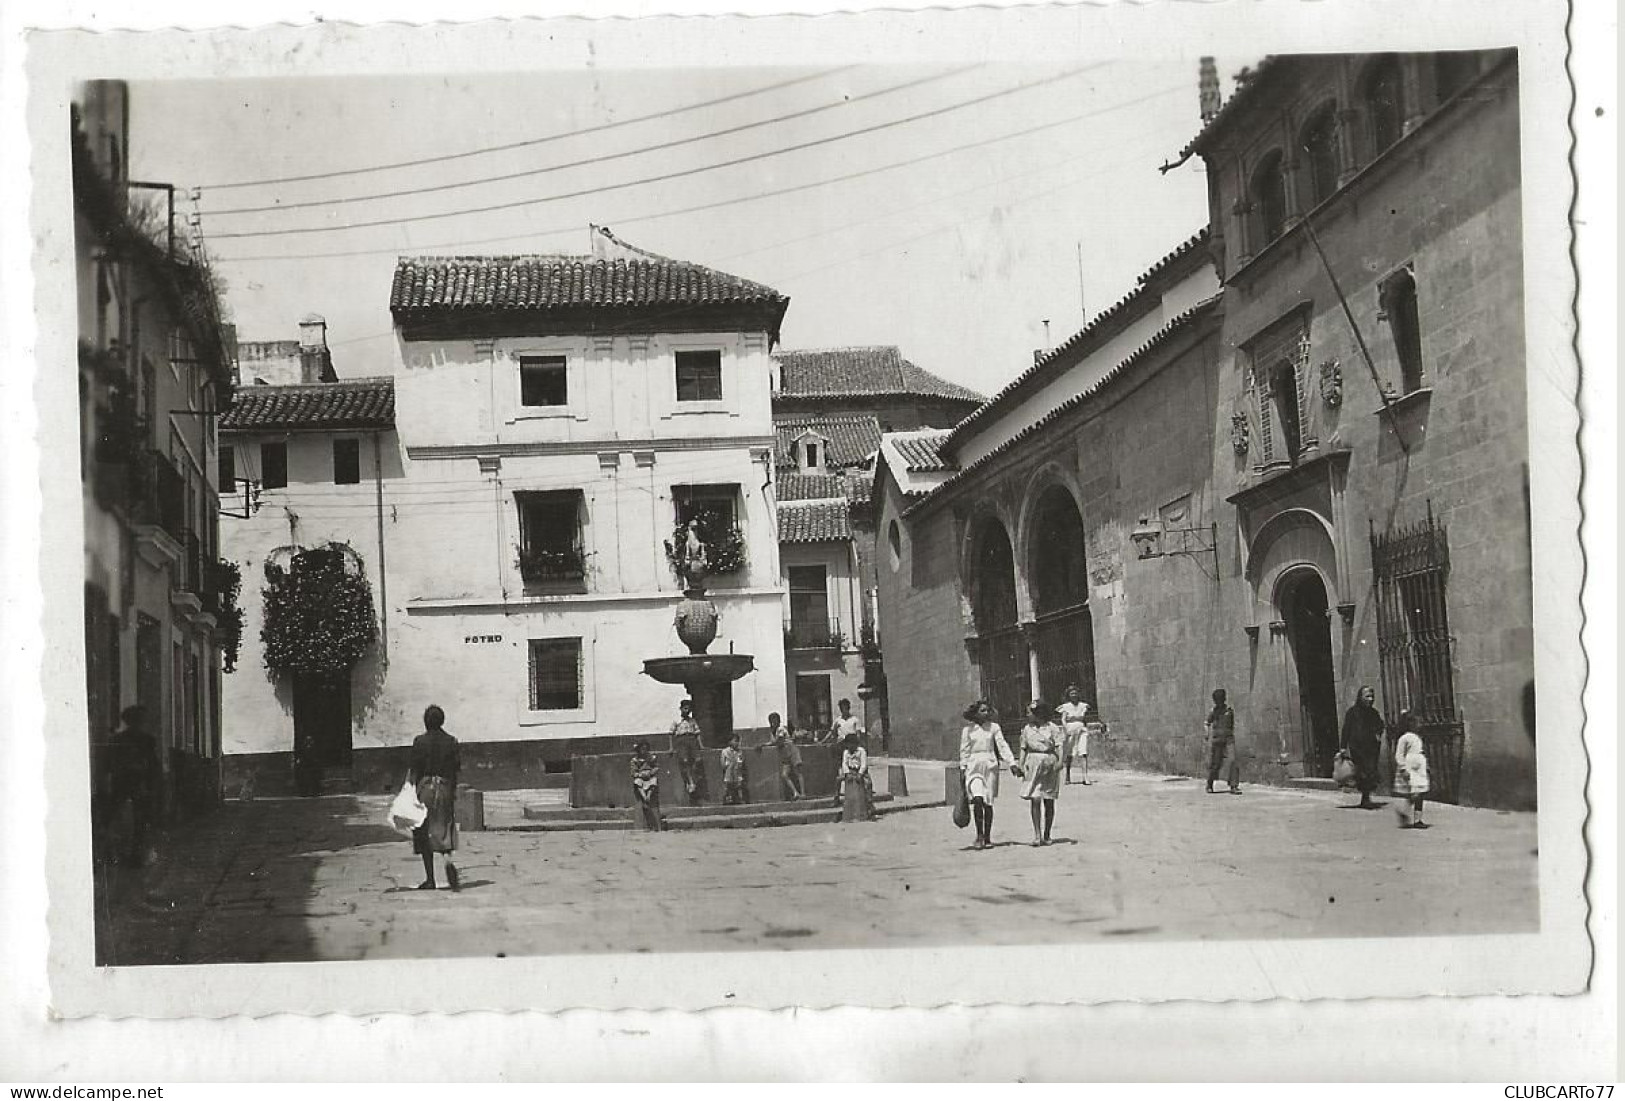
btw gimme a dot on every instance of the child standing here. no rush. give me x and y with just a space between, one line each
646 786
733 772
789 755
1410 774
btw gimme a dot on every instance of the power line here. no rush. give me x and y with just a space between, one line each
601 159
714 205
600 128
667 176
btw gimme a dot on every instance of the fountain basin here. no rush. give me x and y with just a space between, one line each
692 669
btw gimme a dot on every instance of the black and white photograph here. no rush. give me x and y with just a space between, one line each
556 515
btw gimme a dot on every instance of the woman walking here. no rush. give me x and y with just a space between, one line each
1362 741
982 750
1041 741
1410 774
1075 723
436 761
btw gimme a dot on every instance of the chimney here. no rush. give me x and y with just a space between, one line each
315 361
1208 88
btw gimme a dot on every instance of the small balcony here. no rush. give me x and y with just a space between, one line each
188 591
545 565
813 634
157 503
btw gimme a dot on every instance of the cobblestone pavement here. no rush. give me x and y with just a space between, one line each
1136 856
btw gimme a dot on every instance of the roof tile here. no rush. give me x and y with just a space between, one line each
809 487
350 403
814 521
865 371
922 453
852 438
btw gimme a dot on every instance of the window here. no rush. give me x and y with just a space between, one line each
699 376
346 462
550 536
274 465
1320 154
1397 296
714 510
812 456
813 711
227 472
894 543
542 381
809 624
555 674
1384 103
1452 72
1269 200
1280 363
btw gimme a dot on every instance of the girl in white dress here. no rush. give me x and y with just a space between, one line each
1041 742
982 750
1410 774
1075 722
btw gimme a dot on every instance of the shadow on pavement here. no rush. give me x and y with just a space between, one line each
237 885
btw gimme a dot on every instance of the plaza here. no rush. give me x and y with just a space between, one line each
1137 856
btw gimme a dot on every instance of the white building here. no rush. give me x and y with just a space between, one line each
557 418
154 365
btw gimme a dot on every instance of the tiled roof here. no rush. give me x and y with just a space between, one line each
1104 324
852 439
351 403
922 453
814 521
807 487
860 490
627 277
1162 336
872 370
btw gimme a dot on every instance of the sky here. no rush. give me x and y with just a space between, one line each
949 210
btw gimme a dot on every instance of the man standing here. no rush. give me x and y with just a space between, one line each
1221 744
685 742
134 778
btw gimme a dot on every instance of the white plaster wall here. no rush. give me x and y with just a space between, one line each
841 583
1196 287
257 711
451 392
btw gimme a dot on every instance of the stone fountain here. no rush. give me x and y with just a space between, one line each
708 678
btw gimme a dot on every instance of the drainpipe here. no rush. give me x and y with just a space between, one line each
383 576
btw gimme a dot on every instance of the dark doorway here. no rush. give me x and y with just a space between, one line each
1001 649
1064 636
321 728
1309 634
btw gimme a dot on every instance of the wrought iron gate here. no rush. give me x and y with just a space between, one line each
1002 655
1414 644
1065 644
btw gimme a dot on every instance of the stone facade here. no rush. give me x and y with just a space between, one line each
1255 505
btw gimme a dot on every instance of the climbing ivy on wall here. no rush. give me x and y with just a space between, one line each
319 617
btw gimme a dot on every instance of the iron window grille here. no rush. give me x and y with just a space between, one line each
555 674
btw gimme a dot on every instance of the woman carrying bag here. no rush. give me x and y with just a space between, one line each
982 750
1362 742
436 761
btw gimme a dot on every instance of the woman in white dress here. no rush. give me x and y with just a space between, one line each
1410 774
1075 722
982 750
1041 742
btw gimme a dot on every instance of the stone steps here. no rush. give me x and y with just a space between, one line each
544 813
1312 783
804 816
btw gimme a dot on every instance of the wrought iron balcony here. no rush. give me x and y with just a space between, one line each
813 634
157 494
541 564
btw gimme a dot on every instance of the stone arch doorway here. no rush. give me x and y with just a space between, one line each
1001 652
1305 609
1063 634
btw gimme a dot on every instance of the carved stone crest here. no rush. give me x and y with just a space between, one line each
1240 433
1331 382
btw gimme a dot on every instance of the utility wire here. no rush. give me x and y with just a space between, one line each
588 161
599 129
666 176
509 238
